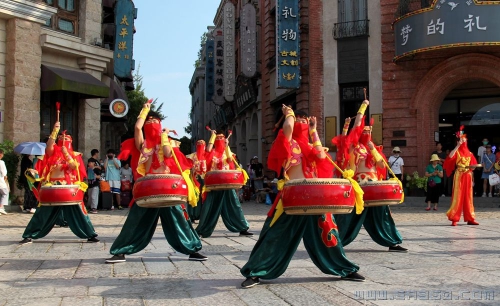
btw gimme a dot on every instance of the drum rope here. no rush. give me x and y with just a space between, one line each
192 196
394 178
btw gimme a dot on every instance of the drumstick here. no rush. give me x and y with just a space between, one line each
229 134
277 125
58 108
364 91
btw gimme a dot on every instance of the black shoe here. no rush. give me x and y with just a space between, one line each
354 276
246 233
397 248
120 208
116 258
26 241
250 282
197 257
93 239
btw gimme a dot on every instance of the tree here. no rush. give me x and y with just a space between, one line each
203 40
136 99
185 146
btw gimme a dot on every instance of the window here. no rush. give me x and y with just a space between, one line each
352 10
68 115
66 18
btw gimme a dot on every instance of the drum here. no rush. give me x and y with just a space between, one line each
60 195
224 180
318 196
160 190
380 193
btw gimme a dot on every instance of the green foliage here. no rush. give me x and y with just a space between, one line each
11 160
185 146
416 181
136 99
203 40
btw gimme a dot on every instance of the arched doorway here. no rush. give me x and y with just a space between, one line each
440 82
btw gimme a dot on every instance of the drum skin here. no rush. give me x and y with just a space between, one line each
380 193
160 190
224 180
318 196
60 195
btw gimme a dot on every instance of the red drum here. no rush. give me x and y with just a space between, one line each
224 180
60 195
380 193
160 190
318 196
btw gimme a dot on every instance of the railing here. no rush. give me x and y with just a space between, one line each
408 6
351 29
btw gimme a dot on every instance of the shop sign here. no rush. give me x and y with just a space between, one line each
248 43
125 13
209 70
219 67
229 61
448 24
288 44
245 94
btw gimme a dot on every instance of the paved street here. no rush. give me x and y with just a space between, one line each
445 265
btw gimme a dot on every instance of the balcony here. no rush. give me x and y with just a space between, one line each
350 29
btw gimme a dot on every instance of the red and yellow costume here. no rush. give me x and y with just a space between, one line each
461 197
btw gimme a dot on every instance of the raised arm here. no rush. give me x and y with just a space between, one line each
289 121
138 136
452 153
49 149
210 145
165 143
315 138
346 126
361 112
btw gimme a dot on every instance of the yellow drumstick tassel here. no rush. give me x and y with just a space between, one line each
358 192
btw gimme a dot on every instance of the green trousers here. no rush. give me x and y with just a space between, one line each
222 203
276 245
195 212
377 221
140 226
46 217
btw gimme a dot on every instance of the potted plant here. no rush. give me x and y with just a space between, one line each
416 184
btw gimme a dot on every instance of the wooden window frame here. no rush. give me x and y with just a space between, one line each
63 14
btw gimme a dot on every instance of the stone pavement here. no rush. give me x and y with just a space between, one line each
445 265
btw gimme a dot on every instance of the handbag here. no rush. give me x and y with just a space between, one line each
125 185
105 186
494 179
432 183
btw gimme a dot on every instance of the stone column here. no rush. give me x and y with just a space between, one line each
90 20
23 59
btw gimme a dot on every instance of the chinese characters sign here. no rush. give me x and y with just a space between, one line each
125 13
209 69
448 24
219 117
229 53
288 44
218 96
248 40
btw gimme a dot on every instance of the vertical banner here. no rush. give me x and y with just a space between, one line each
219 67
209 69
125 14
229 58
288 44
248 37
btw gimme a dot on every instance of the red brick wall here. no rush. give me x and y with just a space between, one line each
310 94
414 88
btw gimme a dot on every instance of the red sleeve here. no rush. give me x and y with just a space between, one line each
381 172
280 152
81 167
449 164
128 149
184 162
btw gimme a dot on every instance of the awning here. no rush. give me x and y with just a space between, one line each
115 92
81 82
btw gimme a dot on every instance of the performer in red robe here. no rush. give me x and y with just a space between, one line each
463 162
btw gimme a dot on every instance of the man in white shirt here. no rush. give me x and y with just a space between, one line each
396 163
481 149
4 186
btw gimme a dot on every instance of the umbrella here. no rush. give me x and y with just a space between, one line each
31 148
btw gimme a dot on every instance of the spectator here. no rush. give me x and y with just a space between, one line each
442 156
434 173
30 202
259 173
112 166
93 190
481 149
126 173
478 171
396 163
488 161
4 186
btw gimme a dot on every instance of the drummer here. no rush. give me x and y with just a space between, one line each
366 160
282 233
154 155
221 203
198 174
60 166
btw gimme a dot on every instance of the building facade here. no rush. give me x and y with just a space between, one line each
53 51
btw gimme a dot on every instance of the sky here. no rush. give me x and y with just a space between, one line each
166 46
